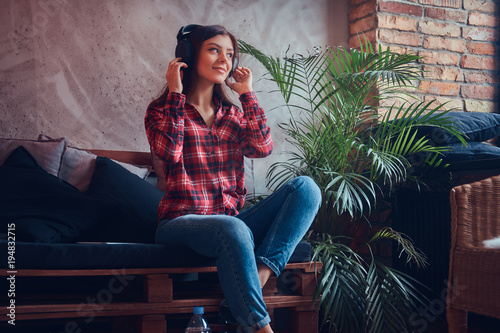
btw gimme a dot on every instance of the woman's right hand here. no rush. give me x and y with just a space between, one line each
174 75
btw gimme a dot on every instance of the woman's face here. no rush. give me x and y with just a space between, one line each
215 59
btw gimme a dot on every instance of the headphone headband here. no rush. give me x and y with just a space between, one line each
186 30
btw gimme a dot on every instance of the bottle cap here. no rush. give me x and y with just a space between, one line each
198 310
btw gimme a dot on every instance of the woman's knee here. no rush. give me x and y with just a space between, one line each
309 190
233 231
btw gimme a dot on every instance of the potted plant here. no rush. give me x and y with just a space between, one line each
355 127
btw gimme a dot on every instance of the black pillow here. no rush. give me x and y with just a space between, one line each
138 200
44 208
473 151
474 126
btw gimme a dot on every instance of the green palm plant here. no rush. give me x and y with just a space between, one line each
356 149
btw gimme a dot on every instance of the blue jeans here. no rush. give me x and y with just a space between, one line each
266 233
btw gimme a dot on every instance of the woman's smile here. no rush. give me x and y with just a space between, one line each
222 70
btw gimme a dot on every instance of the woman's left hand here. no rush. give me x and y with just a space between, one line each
240 81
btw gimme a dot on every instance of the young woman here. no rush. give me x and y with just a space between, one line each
202 138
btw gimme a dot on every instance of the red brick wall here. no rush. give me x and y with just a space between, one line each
456 38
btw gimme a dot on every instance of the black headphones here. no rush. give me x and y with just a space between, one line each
185 48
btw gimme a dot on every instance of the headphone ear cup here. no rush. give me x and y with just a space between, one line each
185 50
235 65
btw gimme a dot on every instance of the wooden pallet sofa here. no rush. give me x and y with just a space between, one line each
153 302
108 275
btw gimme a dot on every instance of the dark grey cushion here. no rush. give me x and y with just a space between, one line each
87 256
44 208
475 126
473 151
135 218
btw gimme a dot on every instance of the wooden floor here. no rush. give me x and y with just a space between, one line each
476 325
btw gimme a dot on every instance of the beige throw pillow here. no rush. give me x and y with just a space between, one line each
47 153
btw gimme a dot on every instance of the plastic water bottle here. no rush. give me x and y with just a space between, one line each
197 323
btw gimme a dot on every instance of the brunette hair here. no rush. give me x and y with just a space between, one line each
197 37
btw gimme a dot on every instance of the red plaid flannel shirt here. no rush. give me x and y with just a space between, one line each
204 166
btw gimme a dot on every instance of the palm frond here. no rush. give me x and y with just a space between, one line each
392 297
363 297
340 280
405 243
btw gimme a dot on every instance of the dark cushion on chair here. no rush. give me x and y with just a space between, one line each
475 126
473 151
43 208
135 220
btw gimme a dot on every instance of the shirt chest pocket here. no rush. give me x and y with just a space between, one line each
226 149
228 131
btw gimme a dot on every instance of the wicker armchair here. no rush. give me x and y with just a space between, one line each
474 276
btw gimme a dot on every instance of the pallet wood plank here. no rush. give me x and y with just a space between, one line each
158 288
307 267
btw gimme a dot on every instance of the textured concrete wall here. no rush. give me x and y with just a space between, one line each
86 70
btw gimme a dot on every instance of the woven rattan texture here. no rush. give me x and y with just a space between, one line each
474 277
